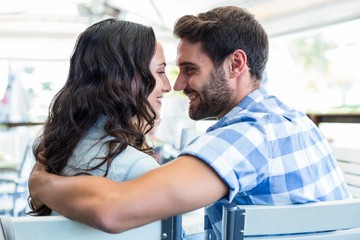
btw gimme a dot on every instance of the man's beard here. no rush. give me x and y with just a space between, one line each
215 97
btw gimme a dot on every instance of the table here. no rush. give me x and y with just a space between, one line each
9 164
318 118
20 124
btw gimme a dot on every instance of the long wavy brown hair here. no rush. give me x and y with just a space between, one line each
109 76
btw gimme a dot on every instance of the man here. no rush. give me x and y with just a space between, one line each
259 152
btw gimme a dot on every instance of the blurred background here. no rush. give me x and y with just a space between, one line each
313 66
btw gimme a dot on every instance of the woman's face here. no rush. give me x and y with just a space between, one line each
162 85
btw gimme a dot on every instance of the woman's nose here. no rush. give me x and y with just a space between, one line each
166 85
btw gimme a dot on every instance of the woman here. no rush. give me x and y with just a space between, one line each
98 121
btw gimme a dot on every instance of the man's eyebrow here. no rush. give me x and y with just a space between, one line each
186 64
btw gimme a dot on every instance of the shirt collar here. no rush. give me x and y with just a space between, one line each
252 98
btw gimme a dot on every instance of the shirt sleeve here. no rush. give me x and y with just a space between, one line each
238 154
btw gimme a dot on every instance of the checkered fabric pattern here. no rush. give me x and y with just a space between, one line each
267 153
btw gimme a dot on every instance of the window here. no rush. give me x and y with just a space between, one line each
317 71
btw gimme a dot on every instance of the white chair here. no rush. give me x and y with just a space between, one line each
332 220
349 162
60 228
13 185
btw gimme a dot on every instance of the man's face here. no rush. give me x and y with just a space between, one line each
207 88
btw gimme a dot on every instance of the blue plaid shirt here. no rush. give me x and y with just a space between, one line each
267 153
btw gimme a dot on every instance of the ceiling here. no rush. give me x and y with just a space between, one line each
43 29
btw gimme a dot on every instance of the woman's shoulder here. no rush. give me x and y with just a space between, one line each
132 152
132 163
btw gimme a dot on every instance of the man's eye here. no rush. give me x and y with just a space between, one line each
189 70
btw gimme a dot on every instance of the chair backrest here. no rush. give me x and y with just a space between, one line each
349 162
14 184
338 220
60 228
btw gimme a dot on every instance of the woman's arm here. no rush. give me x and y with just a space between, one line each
180 186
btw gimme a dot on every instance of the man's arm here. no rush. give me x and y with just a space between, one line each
180 186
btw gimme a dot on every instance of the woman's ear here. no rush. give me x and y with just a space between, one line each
237 63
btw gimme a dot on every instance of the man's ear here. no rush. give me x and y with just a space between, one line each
237 63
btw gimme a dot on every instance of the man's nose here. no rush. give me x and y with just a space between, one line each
180 83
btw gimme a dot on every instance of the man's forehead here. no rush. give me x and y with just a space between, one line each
189 53
186 45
